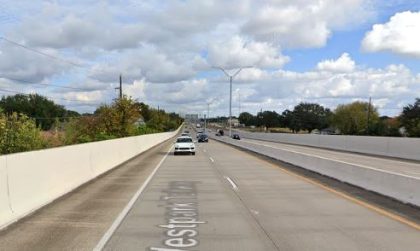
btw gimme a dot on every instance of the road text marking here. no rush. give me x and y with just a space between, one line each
181 217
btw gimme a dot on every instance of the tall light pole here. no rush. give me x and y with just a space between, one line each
230 88
208 116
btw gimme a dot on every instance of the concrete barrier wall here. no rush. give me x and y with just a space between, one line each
31 180
5 210
406 148
400 187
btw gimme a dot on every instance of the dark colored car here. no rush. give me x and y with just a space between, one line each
236 136
203 138
220 132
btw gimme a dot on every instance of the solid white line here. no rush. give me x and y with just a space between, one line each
340 161
234 186
211 159
329 149
107 236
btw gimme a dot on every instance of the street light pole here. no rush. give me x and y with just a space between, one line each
206 118
230 96
230 107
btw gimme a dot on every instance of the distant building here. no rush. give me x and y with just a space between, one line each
235 122
140 122
191 118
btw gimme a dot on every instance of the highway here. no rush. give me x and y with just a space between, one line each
392 165
220 199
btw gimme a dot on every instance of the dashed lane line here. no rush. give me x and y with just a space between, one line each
234 186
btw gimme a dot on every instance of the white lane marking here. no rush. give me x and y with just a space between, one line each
340 161
355 154
234 186
107 236
204 150
411 172
255 212
211 159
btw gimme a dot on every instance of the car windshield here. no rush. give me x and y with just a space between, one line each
184 140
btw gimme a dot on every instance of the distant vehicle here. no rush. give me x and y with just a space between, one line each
203 138
198 134
236 136
185 134
220 132
184 144
198 126
186 131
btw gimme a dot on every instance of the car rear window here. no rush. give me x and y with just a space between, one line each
184 140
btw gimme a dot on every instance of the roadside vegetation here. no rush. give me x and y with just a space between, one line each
31 122
357 118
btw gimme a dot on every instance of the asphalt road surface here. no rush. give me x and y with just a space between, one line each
225 199
398 166
219 199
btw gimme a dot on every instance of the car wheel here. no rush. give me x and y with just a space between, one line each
193 153
175 153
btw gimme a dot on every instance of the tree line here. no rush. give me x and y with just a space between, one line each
357 118
30 122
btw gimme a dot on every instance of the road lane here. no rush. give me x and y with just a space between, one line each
214 216
397 166
240 202
78 220
301 216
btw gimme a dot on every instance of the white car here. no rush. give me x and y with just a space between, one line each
184 144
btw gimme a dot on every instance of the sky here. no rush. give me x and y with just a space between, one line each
168 52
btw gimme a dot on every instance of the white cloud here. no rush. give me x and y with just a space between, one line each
401 34
237 52
165 49
148 63
20 64
343 64
303 23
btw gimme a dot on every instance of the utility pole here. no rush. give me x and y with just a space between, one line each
230 92
120 88
368 117
206 118
239 97
205 123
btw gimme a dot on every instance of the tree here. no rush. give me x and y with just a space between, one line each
107 122
270 119
287 120
386 126
410 118
247 119
120 120
352 118
19 133
35 106
309 116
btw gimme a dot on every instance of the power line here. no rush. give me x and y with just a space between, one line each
40 52
64 117
71 100
20 81
52 57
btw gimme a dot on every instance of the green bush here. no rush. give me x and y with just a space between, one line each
19 133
